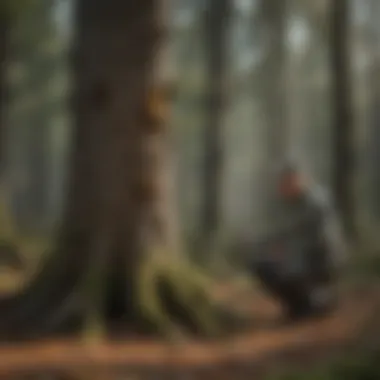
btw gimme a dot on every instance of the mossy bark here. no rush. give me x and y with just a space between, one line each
126 93
175 298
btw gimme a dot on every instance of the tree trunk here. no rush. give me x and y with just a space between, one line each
274 18
120 222
372 175
122 110
273 77
111 86
343 118
4 42
123 173
216 27
31 128
373 156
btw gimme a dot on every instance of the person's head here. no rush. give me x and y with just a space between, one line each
291 185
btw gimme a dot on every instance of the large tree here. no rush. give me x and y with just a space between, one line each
343 118
120 231
121 123
216 28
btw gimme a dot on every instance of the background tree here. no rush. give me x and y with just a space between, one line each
274 21
217 19
35 112
343 118
308 87
273 70
4 46
373 136
7 16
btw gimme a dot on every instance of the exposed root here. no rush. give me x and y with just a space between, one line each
174 299
177 297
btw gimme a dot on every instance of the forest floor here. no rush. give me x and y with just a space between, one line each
269 346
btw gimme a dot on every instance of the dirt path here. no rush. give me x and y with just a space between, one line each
269 344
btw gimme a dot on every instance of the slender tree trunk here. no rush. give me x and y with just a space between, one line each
273 16
373 156
4 44
274 69
372 176
7 220
216 27
343 118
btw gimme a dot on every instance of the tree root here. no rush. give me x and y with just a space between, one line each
173 299
176 297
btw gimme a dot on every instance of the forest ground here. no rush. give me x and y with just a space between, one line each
269 346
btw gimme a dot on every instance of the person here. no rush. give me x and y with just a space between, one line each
315 248
313 220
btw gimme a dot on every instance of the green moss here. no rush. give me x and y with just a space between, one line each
174 296
151 305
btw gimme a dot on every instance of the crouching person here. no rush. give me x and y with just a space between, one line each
300 264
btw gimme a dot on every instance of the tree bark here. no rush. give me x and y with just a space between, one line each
372 175
122 108
216 28
125 165
343 118
4 46
273 15
273 77
373 156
